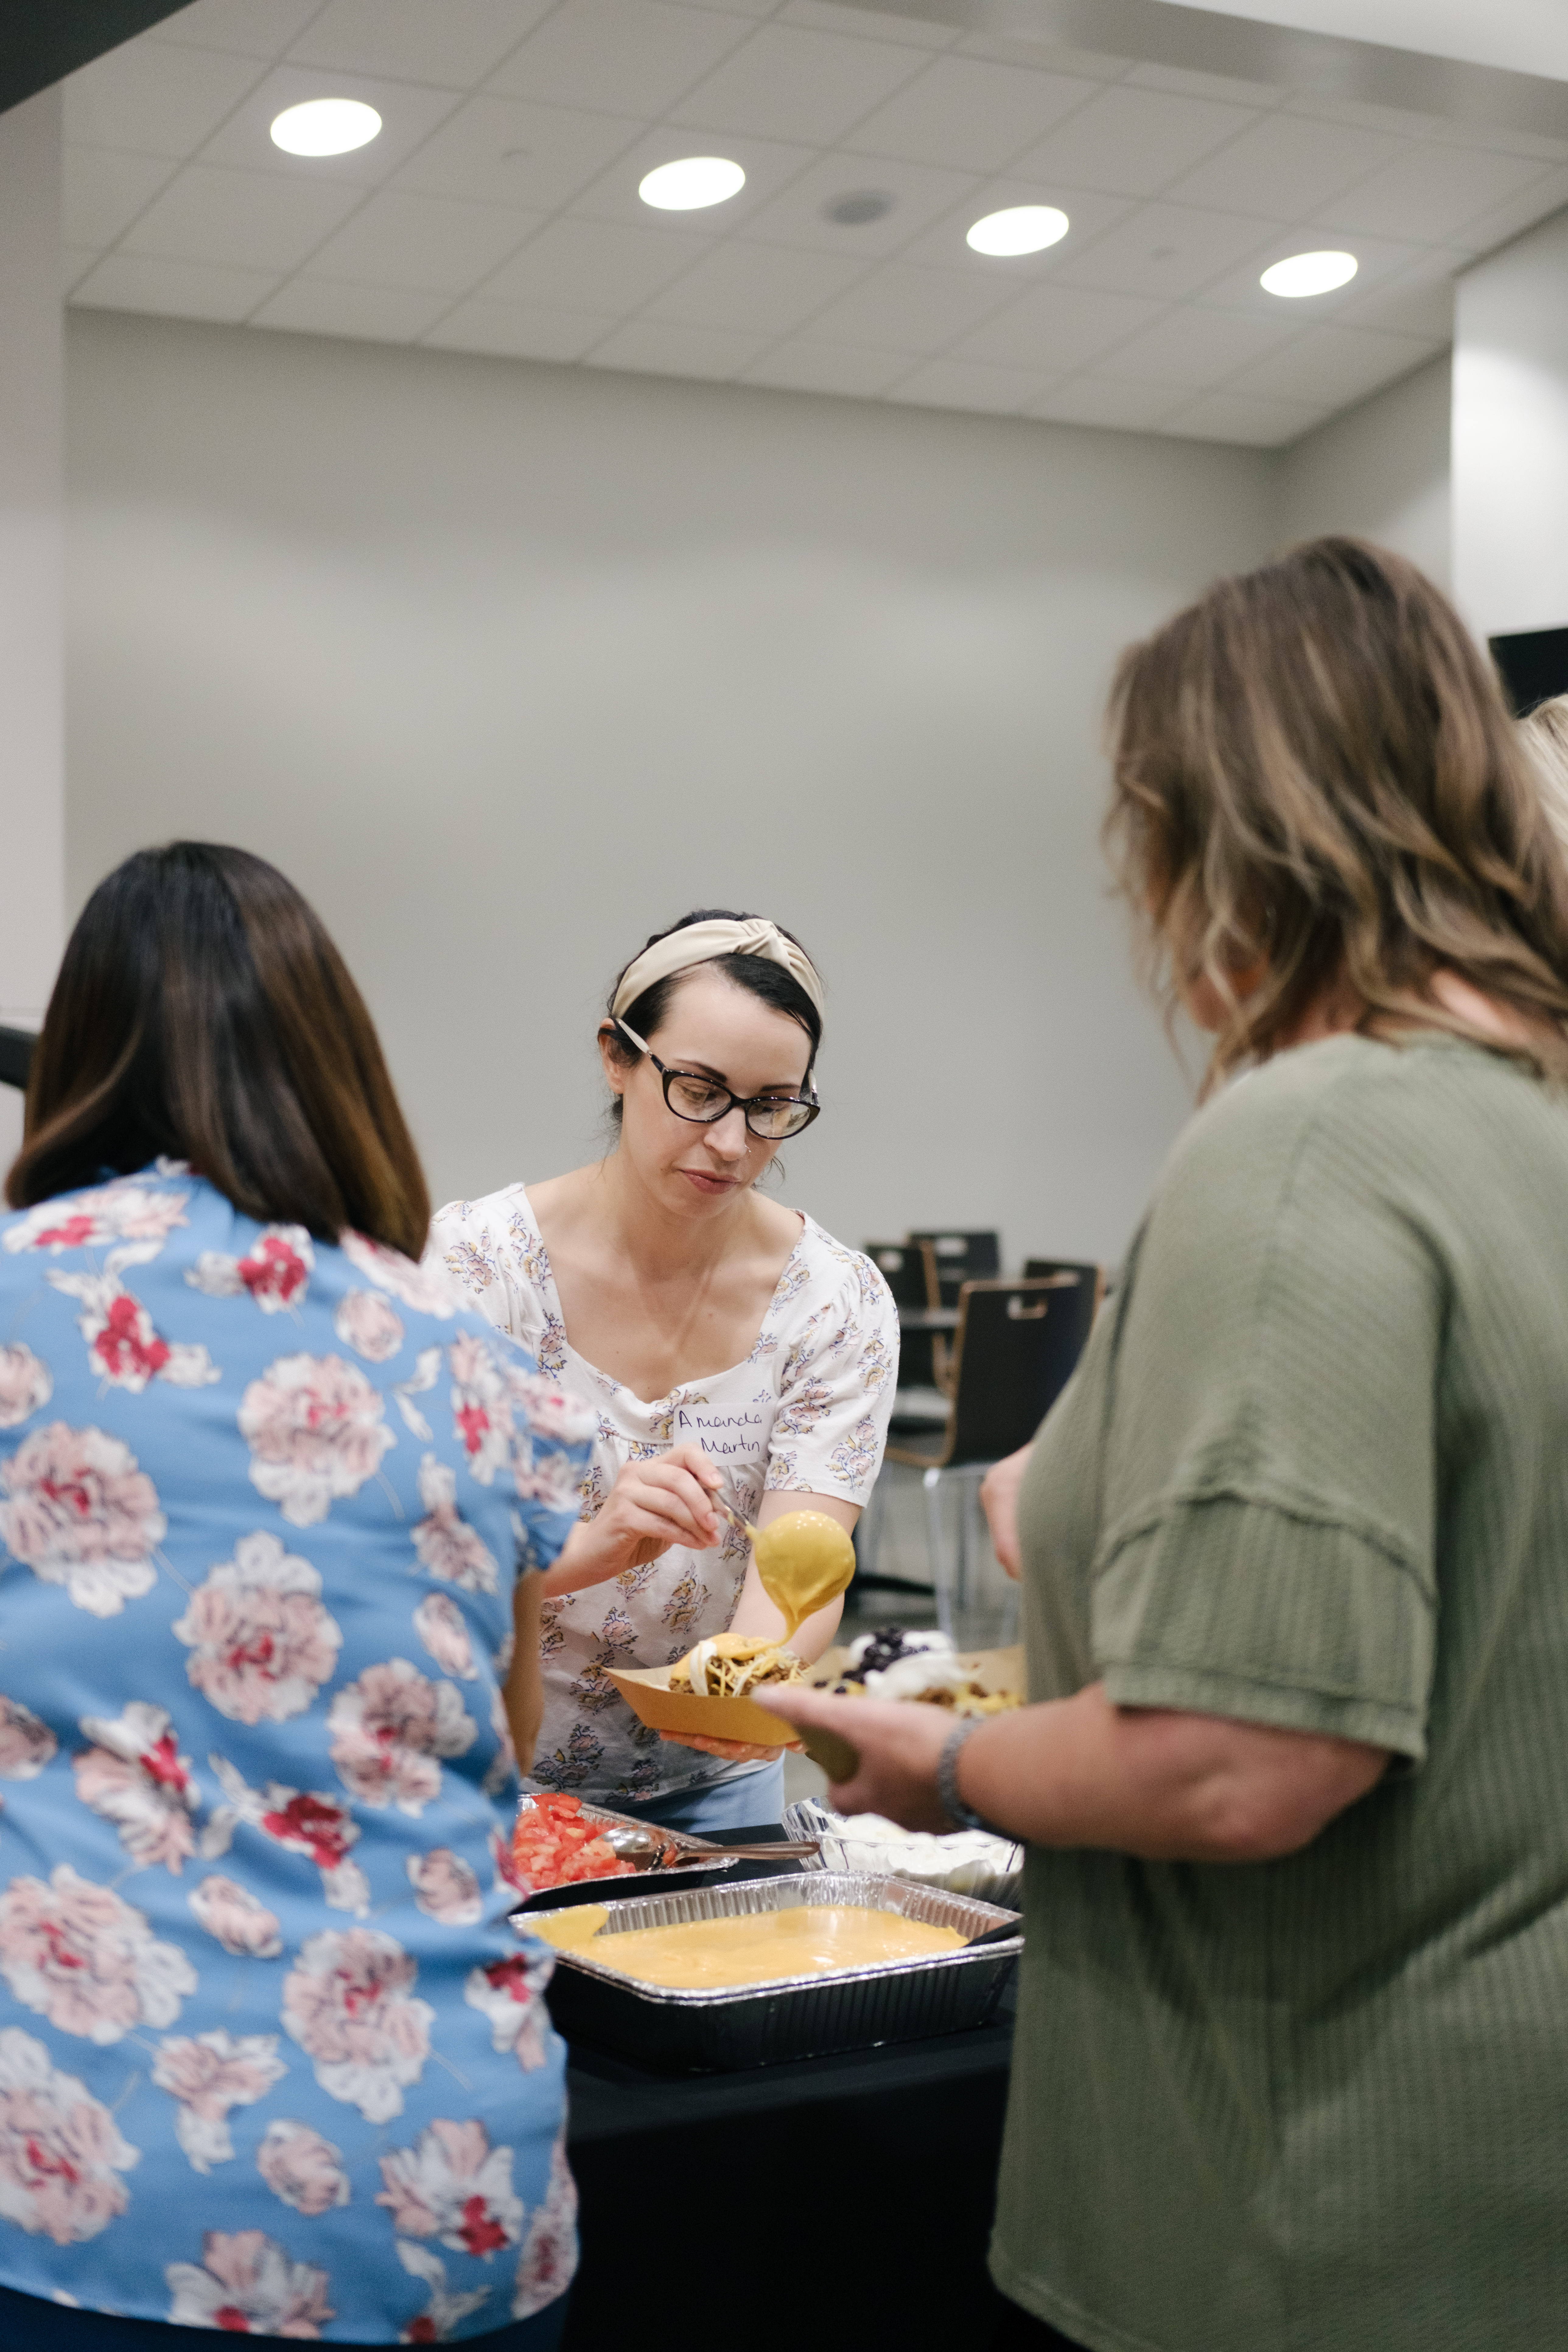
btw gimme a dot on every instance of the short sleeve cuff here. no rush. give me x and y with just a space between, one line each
1234 1607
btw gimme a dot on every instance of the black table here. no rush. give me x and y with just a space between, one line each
834 2201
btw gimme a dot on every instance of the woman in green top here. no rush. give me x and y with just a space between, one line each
1291 2070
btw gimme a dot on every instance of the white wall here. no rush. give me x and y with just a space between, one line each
1381 471
31 617
509 664
1510 435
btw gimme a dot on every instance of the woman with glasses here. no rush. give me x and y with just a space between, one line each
730 1346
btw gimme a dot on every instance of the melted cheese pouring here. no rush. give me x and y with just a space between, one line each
805 1560
703 1954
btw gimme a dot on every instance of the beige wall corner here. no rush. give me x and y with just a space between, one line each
1380 472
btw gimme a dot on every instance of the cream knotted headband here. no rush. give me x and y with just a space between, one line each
700 942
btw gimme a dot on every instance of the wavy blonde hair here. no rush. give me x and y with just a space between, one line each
1544 735
1316 782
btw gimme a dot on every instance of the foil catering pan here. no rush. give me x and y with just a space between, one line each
719 2031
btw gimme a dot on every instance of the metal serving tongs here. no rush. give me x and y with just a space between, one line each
647 1850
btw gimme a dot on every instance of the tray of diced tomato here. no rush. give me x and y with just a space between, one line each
559 1840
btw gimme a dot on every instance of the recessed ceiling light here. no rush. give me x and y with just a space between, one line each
858 208
1309 273
325 126
1022 228
693 183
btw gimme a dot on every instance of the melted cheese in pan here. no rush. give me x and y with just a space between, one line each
703 1954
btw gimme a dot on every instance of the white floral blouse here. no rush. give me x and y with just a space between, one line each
807 1411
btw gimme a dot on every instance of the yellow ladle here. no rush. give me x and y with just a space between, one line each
805 1560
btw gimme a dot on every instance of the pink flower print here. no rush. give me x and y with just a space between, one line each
807 1406
447 1545
261 1642
316 1432
445 1887
550 1347
134 1776
481 1406
86 1961
426 1288
549 2261
60 2151
438 1621
348 2002
241 1925
445 2311
26 1743
453 2185
301 1822
854 1459
122 1347
301 2168
122 1212
25 1383
370 1324
549 1410
247 2286
508 1993
503 1764
208 2074
550 1478
388 1729
81 1513
275 1271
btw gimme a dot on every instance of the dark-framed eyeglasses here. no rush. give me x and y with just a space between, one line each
704 1100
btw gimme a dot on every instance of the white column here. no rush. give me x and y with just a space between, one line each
1510 435
32 723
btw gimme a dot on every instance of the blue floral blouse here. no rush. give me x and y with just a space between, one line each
271 2059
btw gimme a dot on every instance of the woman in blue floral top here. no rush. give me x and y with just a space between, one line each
272 2060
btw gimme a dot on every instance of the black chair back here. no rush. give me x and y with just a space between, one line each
1080 1287
962 1257
1017 1346
909 1270
16 1056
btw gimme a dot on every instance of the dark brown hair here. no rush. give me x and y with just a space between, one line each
1316 779
202 1012
770 982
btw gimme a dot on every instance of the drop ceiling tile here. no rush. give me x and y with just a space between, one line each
1166 250
769 167
590 265
1516 142
504 151
1492 229
1224 87
902 308
1254 424
619 57
765 290
1191 349
75 263
1430 193
869 24
173 290
105 188
919 192
956 383
453 44
375 314
1057 330
252 28
1284 167
1131 142
970 116
657 347
408 115
156 100
1042 55
1330 366
804 365
515 331
239 220
788 83
944 245
1361 116
438 245
1120 407
1416 300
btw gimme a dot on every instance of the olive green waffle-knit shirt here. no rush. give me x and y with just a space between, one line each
1313 1472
